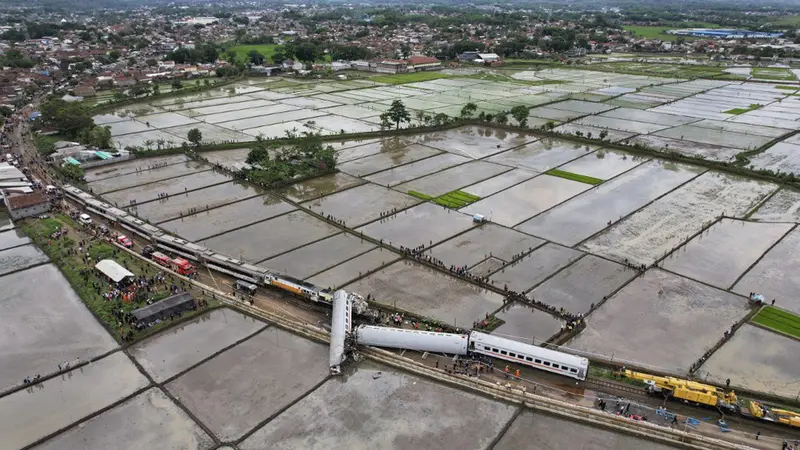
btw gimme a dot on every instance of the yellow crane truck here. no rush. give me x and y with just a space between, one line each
685 390
760 411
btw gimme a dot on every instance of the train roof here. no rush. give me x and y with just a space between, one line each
520 347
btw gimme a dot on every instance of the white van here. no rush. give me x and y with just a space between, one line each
84 219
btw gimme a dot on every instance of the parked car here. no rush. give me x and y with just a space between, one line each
85 219
125 241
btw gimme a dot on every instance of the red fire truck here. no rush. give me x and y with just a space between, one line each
160 258
182 266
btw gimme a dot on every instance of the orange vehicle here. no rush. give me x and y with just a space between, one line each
182 266
160 258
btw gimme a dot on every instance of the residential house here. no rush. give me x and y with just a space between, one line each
423 63
391 66
27 205
85 90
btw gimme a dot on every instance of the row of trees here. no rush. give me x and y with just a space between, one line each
74 121
397 114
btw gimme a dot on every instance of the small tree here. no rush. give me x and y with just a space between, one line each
194 136
468 110
100 137
589 134
603 134
176 84
156 89
550 124
501 118
398 113
520 114
72 172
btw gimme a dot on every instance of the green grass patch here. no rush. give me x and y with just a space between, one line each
403 78
64 254
242 50
787 88
453 200
655 32
738 111
419 195
780 320
659 69
575 177
773 73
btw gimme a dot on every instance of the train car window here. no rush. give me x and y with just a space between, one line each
529 358
547 363
495 350
538 361
556 366
503 352
513 355
573 370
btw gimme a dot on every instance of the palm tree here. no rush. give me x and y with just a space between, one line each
148 144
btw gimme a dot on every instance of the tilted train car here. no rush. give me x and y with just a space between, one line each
530 355
423 341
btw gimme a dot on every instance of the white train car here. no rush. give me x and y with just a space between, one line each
530 355
423 341
341 326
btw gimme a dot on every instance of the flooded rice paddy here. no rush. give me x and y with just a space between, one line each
583 284
361 204
526 324
652 232
532 269
413 287
480 243
722 253
661 320
319 256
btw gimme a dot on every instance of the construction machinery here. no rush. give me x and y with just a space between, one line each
685 390
760 411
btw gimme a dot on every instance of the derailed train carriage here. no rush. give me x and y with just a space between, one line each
474 343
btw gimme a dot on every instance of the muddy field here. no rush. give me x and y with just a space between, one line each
169 353
781 207
503 181
516 204
12 238
319 256
361 204
19 258
379 407
526 324
236 390
482 242
317 187
604 164
269 238
425 224
347 271
176 206
149 420
662 320
205 224
416 288
543 155
454 178
476 142
113 182
582 284
721 254
29 415
531 431
408 172
44 324
758 360
663 225
386 159
534 268
769 277
133 166
590 212
172 187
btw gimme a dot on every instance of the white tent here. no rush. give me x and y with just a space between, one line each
113 270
